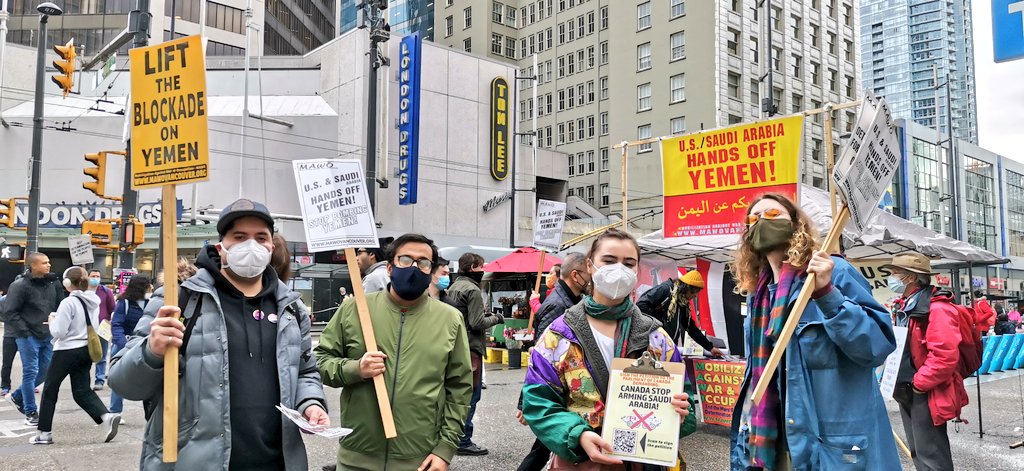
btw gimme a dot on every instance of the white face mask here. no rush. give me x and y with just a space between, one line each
246 259
615 281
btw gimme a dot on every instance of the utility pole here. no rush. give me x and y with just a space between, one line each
379 33
45 11
3 54
768 106
138 25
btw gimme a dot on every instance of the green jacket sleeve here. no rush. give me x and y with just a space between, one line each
337 370
476 317
458 385
553 424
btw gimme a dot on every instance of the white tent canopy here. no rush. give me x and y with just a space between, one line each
887 235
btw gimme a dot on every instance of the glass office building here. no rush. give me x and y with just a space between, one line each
404 16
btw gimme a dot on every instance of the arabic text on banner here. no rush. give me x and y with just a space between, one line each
335 208
711 177
170 143
718 383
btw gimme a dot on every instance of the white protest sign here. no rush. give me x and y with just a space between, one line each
866 169
547 228
335 208
80 247
892 363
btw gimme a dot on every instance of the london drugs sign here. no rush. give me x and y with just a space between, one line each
408 117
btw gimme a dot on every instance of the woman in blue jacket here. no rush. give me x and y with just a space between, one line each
823 409
127 313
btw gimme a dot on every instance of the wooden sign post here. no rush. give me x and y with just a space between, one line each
536 290
169 146
336 214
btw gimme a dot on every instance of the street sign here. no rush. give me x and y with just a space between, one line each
80 247
1008 29
866 168
547 227
336 212
169 107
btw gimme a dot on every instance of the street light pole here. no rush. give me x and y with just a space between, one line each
45 11
379 33
138 24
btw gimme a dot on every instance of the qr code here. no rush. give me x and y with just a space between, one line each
624 442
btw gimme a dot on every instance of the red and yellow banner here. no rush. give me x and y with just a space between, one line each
711 177
718 383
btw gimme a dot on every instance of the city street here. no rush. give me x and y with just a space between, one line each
78 444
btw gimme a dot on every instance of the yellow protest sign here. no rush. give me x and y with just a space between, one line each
169 107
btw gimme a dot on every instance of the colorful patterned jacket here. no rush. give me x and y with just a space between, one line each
565 384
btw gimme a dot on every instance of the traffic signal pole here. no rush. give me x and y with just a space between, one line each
138 24
36 168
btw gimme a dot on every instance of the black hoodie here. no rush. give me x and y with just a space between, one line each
30 300
252 368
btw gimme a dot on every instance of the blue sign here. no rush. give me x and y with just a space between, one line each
1008 29
408 117
72 215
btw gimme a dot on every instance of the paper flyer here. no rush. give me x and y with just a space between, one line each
103 330
321 430
640 422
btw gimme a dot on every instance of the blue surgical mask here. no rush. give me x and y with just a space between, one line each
896 285
94 282
443 282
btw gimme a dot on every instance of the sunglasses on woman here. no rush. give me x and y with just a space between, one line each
770 213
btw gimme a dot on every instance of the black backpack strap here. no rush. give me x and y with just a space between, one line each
191 312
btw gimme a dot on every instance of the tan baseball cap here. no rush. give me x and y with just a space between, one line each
912 262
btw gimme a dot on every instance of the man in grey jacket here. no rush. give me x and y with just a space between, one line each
248 350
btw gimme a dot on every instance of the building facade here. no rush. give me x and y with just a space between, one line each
404 17
906 44
592 93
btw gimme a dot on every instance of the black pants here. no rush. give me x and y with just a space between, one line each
929 445
78 365
10 348
537 458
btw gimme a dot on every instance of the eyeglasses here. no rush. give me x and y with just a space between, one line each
770 213
405 261
361 251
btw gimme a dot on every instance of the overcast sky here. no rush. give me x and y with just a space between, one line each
1000 90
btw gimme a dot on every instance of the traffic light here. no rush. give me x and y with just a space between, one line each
99 173
100 232
7 208
66 66
135 233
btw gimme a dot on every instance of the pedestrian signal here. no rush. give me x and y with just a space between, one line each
65 66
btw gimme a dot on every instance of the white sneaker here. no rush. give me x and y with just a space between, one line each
111 423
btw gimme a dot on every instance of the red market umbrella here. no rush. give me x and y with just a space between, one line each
523 260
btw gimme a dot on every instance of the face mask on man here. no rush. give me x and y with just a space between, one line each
409 283
615 281
246 259
443 282
896 284
94 282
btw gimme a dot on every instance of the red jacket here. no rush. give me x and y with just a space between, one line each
934 348
986 315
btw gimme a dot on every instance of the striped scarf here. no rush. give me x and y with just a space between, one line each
767 318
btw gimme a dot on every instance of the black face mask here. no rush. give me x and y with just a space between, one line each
409 283
476 276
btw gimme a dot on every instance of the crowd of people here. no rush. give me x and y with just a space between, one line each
245 345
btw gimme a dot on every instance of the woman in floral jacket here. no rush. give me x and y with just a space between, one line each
563 398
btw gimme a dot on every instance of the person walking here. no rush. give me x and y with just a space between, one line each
130 307
69 328
106 309
247 350
669 303
465 295
29 303
567 381
929 389
844 334
986 315
424 358
440 280
10 349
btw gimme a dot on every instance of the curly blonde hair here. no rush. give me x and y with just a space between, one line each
747 264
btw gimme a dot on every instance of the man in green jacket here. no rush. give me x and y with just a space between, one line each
424 357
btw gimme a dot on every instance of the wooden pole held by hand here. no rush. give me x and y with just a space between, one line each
169 233
536 290
371 342
831 244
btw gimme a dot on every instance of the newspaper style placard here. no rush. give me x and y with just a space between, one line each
547 229
867 165
892 363
336 211
321 430
80 247
640 422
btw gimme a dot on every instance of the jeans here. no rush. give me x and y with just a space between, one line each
35 361
116 402
75 363
101 366
467 439
10 348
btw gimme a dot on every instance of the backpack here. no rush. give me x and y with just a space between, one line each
970 347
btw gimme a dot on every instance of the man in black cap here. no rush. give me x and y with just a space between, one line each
247 349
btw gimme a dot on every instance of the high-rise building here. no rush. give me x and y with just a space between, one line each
905 44
403 16
674 66
295 27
